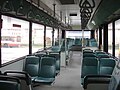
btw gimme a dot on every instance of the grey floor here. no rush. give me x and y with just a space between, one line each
69 78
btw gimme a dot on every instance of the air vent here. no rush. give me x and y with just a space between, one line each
67 2
73 14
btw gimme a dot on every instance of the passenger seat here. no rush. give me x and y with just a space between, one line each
9 83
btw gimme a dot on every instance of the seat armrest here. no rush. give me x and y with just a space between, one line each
20 74
96 79
8 78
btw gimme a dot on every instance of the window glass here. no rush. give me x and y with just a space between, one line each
15 38
98 36
86 34
117 38
49 36
110 38
37 37
56 37
60 36
77 34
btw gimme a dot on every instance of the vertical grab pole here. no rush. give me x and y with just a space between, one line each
0 37
82 37
53 31
44 37
30 37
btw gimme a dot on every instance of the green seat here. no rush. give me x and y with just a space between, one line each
47 72
57 60
57 56
70 42
24 77
89 67
87 50
31 66
88 55
78 42
104 81
40 54
93 44
9 83
106 66
103 56
99 52
55 48
115 80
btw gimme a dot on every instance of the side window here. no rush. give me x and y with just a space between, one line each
37 37
15 38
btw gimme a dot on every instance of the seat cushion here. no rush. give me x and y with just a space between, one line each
44 80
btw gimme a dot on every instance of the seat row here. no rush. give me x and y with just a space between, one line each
15 80
97 66
98 54
103 82
42 67
37 68
9 83
91 65
107 77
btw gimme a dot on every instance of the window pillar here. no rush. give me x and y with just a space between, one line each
105 38
30 37
44 37
0 38
113 38
100 38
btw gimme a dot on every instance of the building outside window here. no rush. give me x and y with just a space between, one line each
15 38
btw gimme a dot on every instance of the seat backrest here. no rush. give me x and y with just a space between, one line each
99 52
115 79
106 66
48 68
104 82
26 83
103 56
31 66
96 82
93 44
88 55
89 66
87 51
78 41
9 83
40 54
55 48
57 56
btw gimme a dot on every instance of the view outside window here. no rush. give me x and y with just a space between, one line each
117 38
77 34
37 37
15 38
86 34
110 38
60 36
97 36
49 36
56 36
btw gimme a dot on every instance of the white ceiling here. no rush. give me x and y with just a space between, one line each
67 9
71 9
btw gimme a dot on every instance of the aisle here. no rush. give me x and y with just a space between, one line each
69 78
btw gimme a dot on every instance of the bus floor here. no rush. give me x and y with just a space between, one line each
69 78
